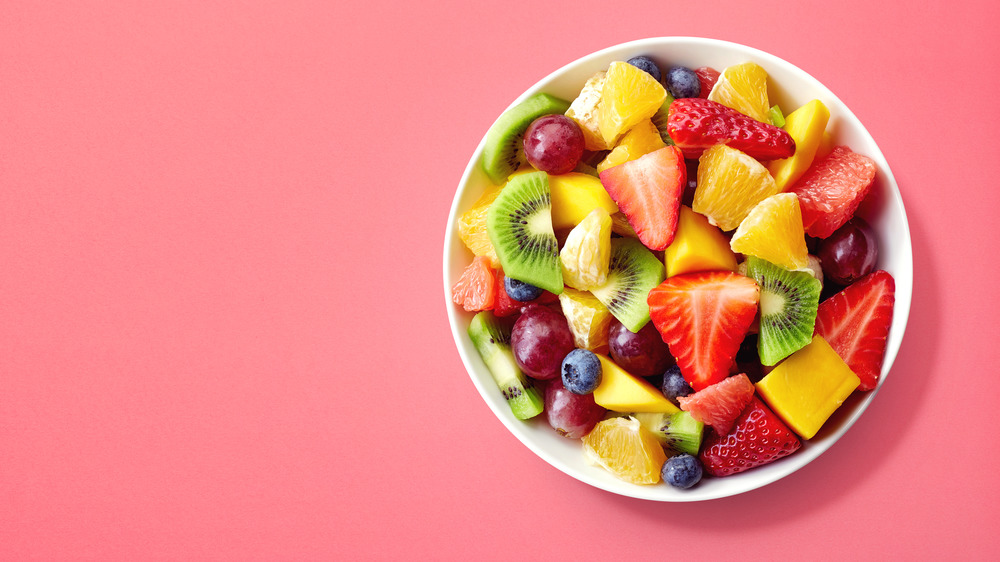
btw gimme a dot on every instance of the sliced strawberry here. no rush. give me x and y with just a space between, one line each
758 437
707 76
648 192
855 322
506 306
476 289
720 404
696 124
831 190
704 317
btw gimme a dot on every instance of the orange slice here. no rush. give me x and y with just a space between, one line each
639 140
629 96
586 254
743 87
472 226
773 231
730 184
588 318
626 449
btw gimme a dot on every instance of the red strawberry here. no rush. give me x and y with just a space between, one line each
855 322
648 191
696 124
720 404
707 76
476 289
831 190
758 437
506 306
704 317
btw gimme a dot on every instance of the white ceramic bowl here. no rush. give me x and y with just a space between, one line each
789 87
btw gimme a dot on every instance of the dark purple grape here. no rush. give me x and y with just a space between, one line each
540 340
553 144
642 354
850 253
571 415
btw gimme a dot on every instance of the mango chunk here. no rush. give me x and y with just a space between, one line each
806 388
621 391
697 246
574 196
806 126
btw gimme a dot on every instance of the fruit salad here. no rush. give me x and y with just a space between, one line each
669 269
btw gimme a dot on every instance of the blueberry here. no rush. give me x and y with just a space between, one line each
674 384
682 82
681 471
581 371
520 291
647 65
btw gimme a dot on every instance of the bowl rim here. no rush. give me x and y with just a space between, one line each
810 450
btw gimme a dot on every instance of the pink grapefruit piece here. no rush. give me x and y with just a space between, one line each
720 404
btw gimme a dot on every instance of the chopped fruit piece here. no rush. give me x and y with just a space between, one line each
574 196
586 254
476 289
584 111
503 151
623 392
697 246
639 140
720 404
504 305
730 184
625 448
472 226
805 389
855 322
773 231
628 97
707 76
588 319
704 317
758 437
682 471
682 82
620 225
788 301
632 273
648 190
491 336
806 126
678 432
831 190
540 339
743 87
825 147
641 353
850 253
696 125
553 144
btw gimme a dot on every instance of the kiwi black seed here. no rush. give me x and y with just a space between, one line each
491 336
519 223
788 304
632 273
679 432
503 151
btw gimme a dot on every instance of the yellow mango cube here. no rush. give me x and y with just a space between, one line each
806 388
697 246
621 391
574 196
806 126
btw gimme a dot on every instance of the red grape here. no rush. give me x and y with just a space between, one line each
642 354
540 340
850 253
553 144
572 415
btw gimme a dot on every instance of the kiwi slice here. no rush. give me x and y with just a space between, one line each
491 336
659 120
679 432
633 272
788 304
503 140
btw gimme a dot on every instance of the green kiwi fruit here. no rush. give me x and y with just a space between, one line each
788 304
633 271
679 432
503 151
519 223
659 120
491 336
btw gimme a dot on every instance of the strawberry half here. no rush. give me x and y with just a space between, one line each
831 190
758 437
648 192
855 322
696 124
704 317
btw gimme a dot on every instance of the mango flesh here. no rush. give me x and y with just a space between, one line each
621 391
806 126
806 388
697 246
574 196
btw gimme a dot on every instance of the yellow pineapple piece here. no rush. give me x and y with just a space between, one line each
586 253
806 125
743 87
808 386
574 196
730 184
773 231
628 97
622 391
639 140
625 448
472 226
697 246
589 320
584 110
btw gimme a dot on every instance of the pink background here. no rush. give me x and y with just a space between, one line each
222 331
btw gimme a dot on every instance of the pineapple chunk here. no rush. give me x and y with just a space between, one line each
574 196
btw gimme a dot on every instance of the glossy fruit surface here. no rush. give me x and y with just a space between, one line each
730 184
521 291
472 226
540 339
570 414
832 188
850 253
628 97
643 354
697 124
639 140
773 231
581 371
646 65
626 449
553 144
587 317
674 386
586 253
682 471
758 437
719 404
682 82
707 76
743 87
476 289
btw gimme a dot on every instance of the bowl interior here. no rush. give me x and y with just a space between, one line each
789 87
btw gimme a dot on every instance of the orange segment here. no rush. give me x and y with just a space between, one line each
472 226
586 254
641 139
584 110
626 449
629 96
773 231
730 183
588 319
743 87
